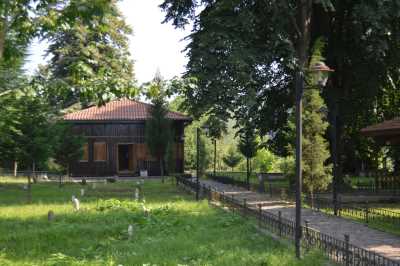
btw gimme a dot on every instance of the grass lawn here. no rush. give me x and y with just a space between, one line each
175 231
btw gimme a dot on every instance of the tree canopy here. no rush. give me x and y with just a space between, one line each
239 48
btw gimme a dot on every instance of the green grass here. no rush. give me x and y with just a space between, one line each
176 231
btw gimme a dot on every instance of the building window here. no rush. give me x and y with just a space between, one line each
99 151
85 153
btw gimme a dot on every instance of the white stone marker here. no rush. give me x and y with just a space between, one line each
82 192
75 203
130 231
137 194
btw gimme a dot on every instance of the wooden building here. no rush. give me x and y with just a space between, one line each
115 139
387 132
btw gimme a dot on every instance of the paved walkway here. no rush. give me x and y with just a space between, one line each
361 235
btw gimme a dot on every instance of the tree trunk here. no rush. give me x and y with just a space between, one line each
15 168
215 156
162 169
312 199
3 33
34 172
29 188
248 173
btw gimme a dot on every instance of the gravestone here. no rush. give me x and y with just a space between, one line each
137 194
50 216
130 231
75 203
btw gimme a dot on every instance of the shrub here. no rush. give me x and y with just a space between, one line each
111 180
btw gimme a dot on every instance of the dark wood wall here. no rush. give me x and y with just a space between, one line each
114 133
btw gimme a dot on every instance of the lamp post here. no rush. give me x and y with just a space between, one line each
320 73
198 159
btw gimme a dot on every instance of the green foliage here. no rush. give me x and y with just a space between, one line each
239 47
89 52
205 149
67 145
158 130
248 143
264 161
17 28
316 174
232 158
170 155
216 127
25 128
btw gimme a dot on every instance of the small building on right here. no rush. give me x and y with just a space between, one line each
387 132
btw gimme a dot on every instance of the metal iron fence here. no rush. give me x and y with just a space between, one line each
272 180
361 211
340 251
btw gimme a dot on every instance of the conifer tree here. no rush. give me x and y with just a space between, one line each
248 146
316 174
158 130
232 159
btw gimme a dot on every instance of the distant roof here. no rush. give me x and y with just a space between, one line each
386 128
120 110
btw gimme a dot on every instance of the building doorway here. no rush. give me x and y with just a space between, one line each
126 158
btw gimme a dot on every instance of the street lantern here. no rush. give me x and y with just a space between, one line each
320 73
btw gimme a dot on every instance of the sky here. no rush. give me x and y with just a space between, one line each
153 45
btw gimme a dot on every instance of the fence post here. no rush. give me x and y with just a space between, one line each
233 205
222 198
245 206
366 212
280 223
307 236
260 214
347 250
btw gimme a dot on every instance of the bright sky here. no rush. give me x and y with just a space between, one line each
153 45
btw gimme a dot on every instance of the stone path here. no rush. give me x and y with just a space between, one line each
361 235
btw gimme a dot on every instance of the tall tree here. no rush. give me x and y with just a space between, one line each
216 127
67 147
232 158
89 51
248 146
10 130
158 130
238 45
17 28
316 174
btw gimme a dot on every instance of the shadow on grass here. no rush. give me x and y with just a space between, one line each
177 230
168 235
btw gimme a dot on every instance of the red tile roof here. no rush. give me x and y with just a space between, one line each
388 127
120 110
